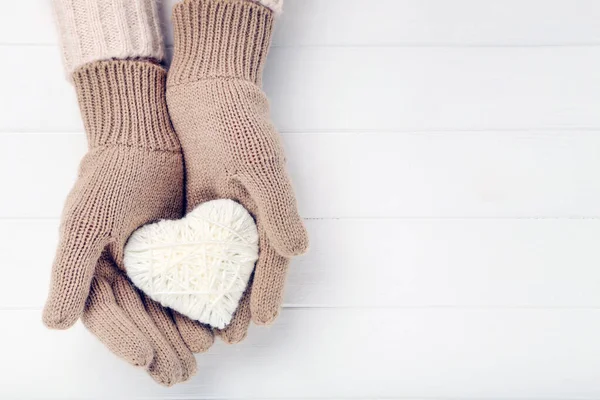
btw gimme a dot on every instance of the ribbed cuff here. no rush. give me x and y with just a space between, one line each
220 38
124 103
95 30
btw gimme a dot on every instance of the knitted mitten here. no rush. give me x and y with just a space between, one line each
231 148
131 176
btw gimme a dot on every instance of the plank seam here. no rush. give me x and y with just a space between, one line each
440 45
386 218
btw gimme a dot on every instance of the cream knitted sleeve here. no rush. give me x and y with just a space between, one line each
275 5
95 30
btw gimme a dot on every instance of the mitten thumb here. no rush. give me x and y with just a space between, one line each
78 252
271 190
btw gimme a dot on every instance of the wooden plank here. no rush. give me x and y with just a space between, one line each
414 175
389 263
483 354
380 22
445 155
363 89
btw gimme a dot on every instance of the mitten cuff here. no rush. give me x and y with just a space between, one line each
95 30
220 39
123 103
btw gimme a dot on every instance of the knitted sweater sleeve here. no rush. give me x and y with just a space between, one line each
275 5
96 30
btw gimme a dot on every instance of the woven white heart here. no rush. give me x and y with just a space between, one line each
199 265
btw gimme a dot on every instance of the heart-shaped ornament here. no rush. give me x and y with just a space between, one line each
199 265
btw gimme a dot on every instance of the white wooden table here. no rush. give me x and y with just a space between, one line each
446 155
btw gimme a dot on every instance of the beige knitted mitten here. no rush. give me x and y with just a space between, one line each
230 147
131 176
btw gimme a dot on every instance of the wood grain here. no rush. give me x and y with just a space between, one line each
370 175
445 156
320 353
387 263
348 89
379 23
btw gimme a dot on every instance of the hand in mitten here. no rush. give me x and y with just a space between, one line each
132 175
230 147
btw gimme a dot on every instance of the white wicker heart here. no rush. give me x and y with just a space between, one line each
199 265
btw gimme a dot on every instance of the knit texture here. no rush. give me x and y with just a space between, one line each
199 265
94 30
132 175
231 148
220 39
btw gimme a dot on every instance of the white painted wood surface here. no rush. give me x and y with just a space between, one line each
443 263
385 22
337 353
370 174
445 155
358 89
